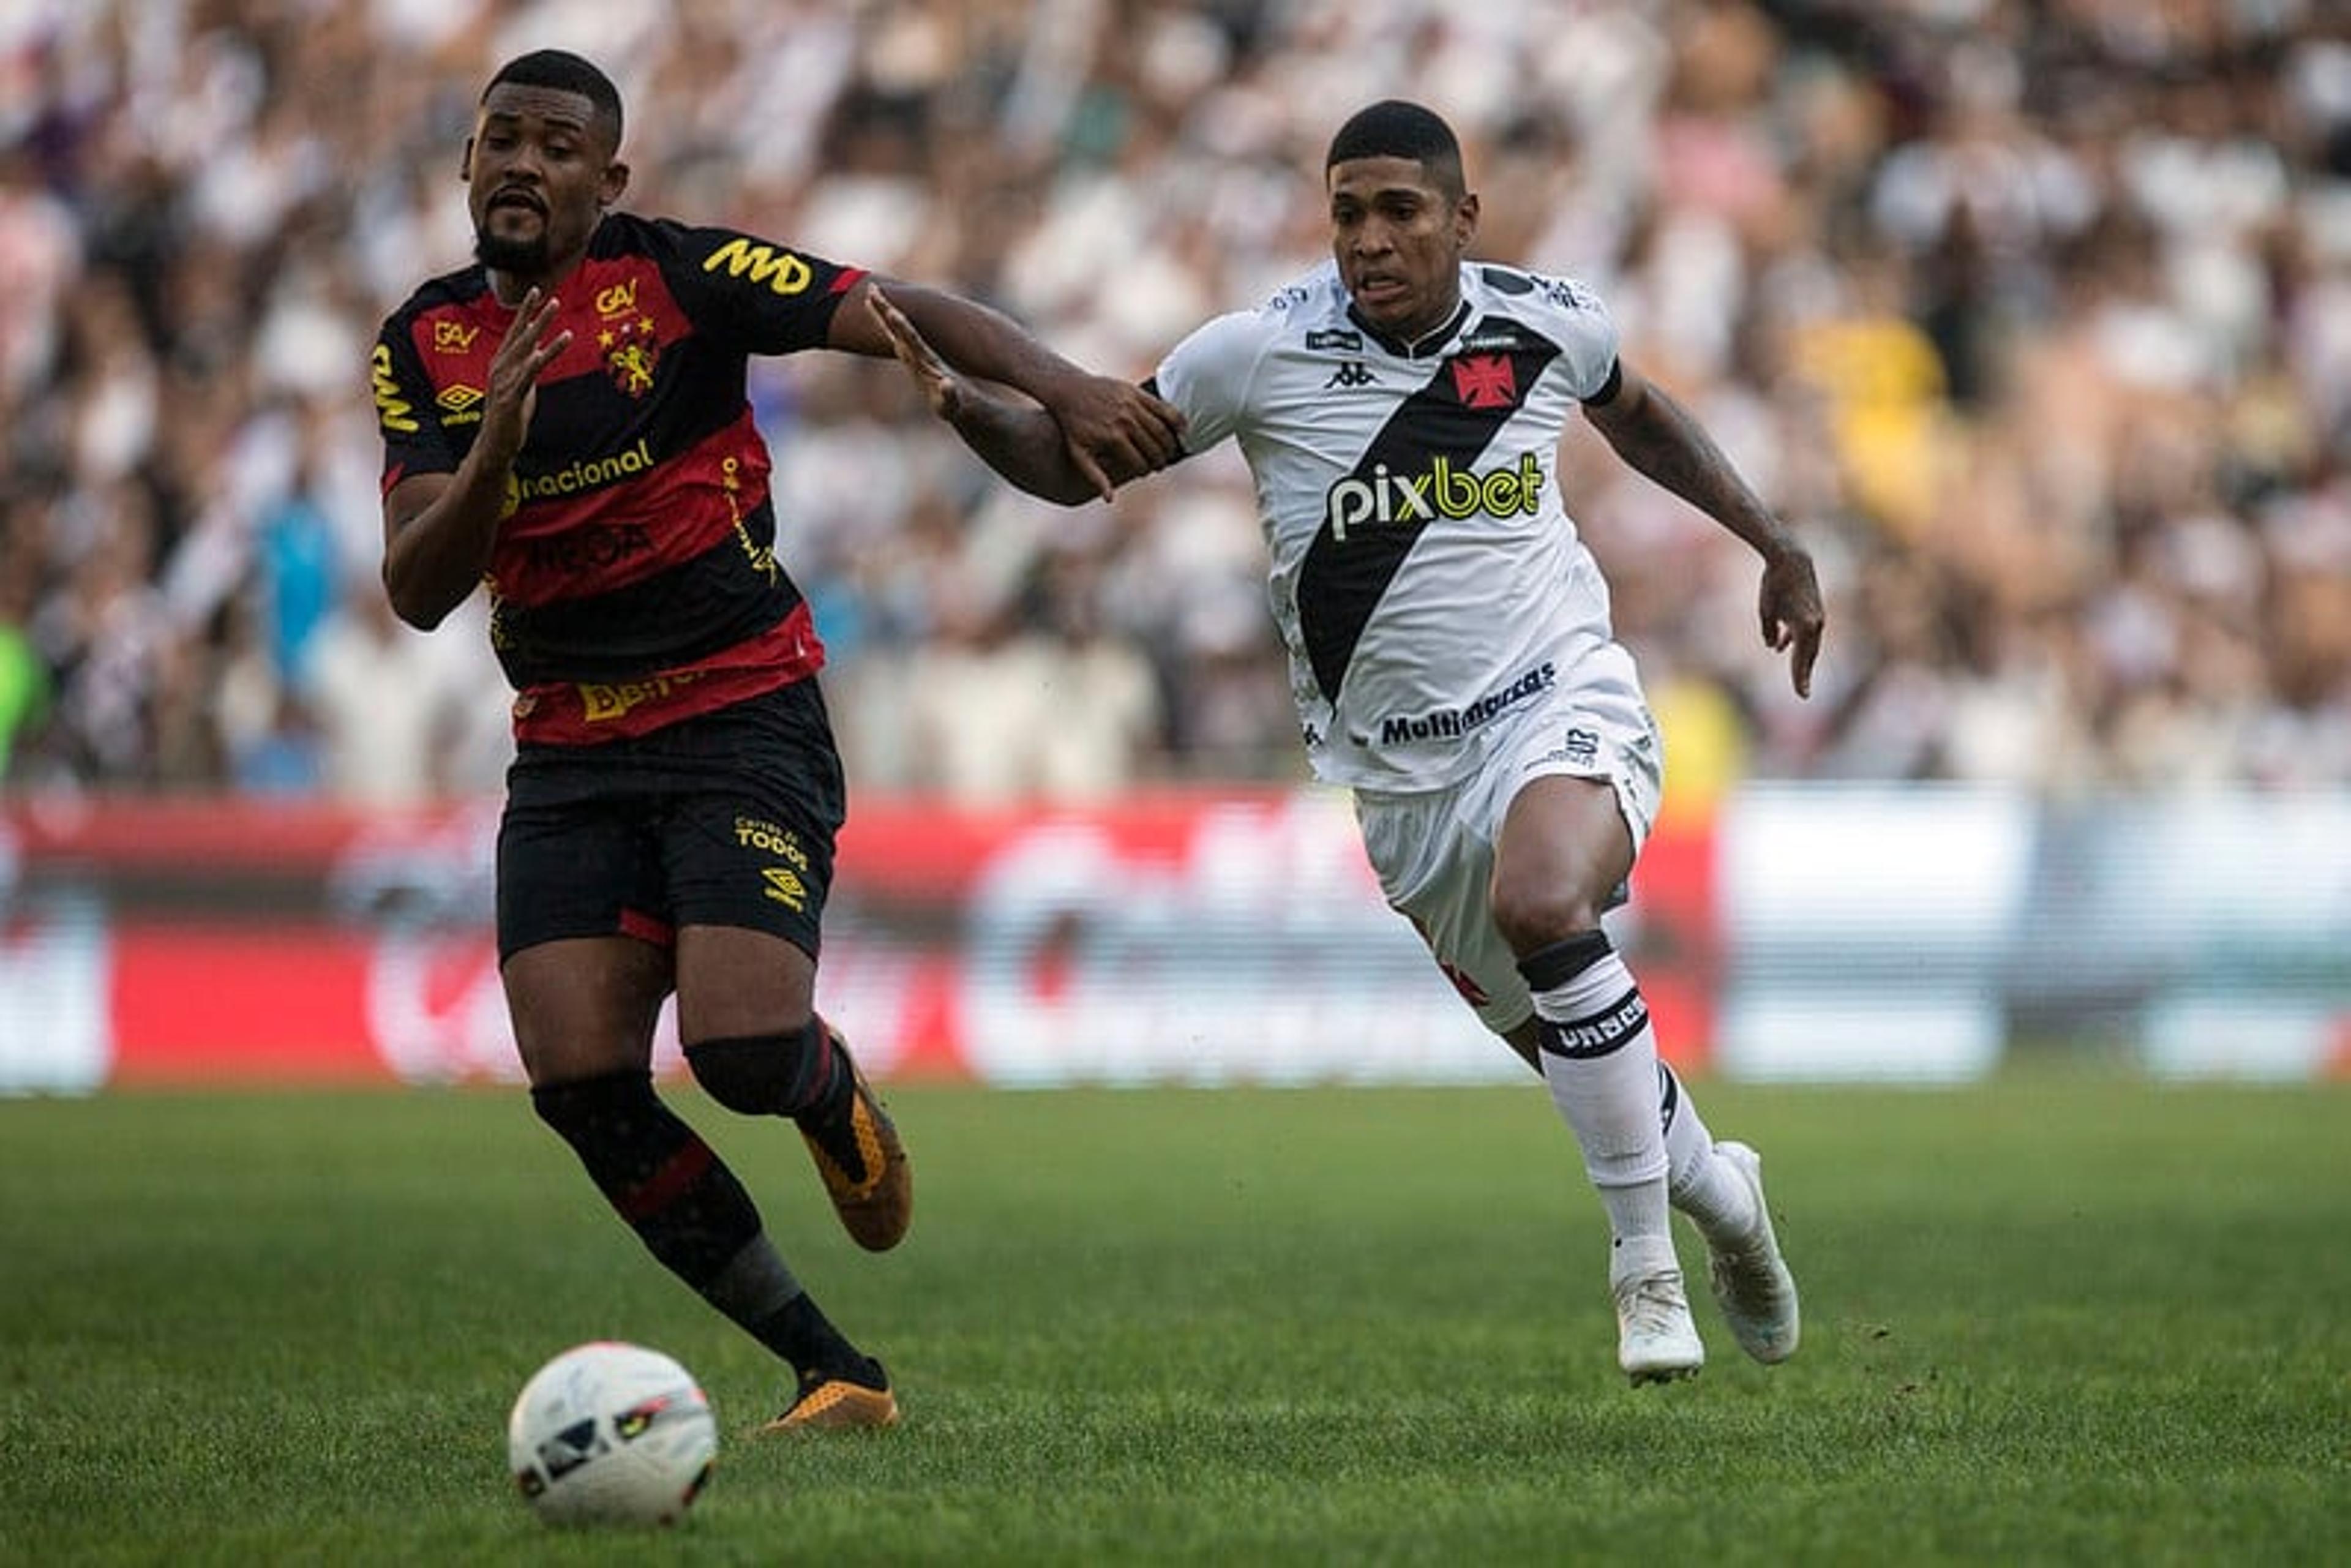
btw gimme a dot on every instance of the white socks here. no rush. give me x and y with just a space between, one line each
1642 1142
1701 1183
1600 1058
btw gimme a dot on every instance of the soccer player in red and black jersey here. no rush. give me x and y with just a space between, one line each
566 422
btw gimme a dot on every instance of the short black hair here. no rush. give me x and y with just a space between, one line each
565 72
1393 128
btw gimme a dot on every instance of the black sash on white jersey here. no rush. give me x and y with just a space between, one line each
1340 582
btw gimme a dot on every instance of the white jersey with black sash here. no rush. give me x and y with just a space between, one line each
1425 577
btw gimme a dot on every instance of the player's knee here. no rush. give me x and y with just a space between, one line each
584 1111
1532 916
1563 963
759 1075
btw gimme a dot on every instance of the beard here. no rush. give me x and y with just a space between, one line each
502 255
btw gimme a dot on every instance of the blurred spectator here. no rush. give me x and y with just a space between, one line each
1025 698
2037 316
389 708
24 677
296 575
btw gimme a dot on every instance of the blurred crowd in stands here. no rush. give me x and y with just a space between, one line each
2035 317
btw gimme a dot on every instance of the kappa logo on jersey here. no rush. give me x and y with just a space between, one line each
1485 380
1569 294
783 273
1350 375
1443 491
1565 293
452 337
390 409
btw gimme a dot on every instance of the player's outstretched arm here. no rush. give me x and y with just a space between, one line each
1019 441
1657 436
1114 430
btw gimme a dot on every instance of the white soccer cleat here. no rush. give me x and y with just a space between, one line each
1656 1339
1751 1282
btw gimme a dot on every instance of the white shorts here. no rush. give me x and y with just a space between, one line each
1434 849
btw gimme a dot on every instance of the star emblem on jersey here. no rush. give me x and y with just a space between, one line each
1485 380
631 352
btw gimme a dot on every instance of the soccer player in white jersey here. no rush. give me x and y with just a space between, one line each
1401 409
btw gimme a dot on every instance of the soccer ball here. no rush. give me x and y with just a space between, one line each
611 1434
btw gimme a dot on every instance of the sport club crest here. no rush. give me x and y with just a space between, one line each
631 352
1485 380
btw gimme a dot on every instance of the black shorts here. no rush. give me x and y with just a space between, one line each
726 819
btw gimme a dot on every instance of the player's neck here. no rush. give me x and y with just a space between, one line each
511 284
1438 322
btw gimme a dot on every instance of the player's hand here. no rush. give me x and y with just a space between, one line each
1790 607
1115 431
523 355
941 388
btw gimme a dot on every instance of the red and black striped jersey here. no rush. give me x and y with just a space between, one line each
635 579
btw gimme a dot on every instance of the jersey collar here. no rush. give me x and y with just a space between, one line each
1421 348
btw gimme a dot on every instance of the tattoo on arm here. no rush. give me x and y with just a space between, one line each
1669 447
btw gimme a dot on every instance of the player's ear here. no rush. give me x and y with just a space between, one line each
1465 220
465 162
615 181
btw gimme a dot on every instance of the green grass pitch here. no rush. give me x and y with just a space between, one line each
2064 1321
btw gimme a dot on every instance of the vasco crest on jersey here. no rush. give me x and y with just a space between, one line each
1485 380
631 352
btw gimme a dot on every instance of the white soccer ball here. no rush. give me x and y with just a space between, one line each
611 1434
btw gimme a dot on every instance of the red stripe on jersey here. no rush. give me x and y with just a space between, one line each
566 713
611 304
622 517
